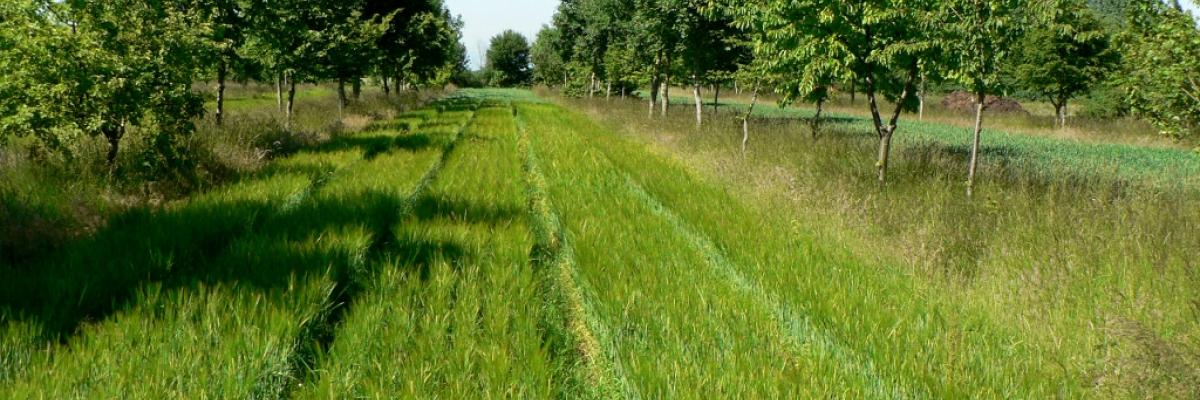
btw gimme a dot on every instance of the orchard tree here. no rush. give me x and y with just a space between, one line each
282 40
1065 56
803 48
977 36
548 65
98 68
226 20
1161 72
658 39
508 59
762 61
708 49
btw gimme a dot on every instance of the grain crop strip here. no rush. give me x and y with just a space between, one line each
319 332
596 369
800 331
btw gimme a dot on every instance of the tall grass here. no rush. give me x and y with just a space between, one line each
231 293
1068 282
453 310
47 200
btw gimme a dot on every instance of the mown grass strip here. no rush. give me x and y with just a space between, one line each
601 373
318 333
804 336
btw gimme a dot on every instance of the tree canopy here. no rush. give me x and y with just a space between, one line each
97 68
508 60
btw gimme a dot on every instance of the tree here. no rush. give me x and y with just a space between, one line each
1161 72
879 42
979 34
508 59
1065 57
226 19
97 68
548 65
796 45
708 49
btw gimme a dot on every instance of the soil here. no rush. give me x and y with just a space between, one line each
964 102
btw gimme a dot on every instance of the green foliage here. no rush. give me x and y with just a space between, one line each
1065 57
1161 74
508 60
548 65
98 68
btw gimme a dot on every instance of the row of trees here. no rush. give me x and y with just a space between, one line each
804 50
95 68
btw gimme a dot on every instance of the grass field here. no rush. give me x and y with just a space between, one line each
497 244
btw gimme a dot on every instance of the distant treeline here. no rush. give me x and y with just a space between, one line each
1143 56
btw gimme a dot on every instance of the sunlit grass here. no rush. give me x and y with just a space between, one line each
1065 283
454 310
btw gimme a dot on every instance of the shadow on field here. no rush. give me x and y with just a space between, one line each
257 244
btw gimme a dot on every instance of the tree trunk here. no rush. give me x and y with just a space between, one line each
921 101
1060 114
279 91
653 95
699 103
341 93
222 69
622 92
746 120
853 88
356 89
886 132
816 121
716 98
387 89
113 133
736 90
291 101
592 85
885 150
665 101
608 90
980 97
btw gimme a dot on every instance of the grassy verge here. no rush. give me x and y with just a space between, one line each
1083 280
228 294
1009 149
678 328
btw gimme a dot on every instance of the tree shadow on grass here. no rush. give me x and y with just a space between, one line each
250 242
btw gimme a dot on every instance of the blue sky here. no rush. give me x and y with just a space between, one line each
486 18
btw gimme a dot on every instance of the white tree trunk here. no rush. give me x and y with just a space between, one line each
699 104
921 101
746 120
279 91
291 100
666 94
979 99
592 85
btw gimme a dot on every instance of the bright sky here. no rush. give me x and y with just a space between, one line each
483 19
486 18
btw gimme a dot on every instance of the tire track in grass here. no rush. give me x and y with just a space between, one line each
318 333
573 330
798 328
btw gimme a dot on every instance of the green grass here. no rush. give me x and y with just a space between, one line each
1051 283
454 309
494 244
250 277
1050 157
